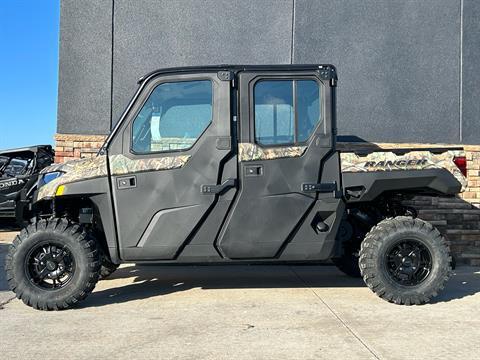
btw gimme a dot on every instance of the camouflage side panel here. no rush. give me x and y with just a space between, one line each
121 165
414 160
86 169
74 170
253 152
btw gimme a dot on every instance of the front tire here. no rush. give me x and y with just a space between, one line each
107 268
52 264
405 260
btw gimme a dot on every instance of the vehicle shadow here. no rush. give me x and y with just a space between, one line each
151 281
464 282
7 225
3 254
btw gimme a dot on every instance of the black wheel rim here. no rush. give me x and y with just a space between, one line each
409 262
50 266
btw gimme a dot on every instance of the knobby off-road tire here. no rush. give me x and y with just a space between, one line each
107 268
395 255
52 264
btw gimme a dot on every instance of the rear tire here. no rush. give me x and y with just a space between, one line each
405 260
52 264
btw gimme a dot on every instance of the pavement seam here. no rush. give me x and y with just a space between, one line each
335 314
3 303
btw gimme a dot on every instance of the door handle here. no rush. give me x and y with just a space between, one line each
218 189
126 182
320 188
253 170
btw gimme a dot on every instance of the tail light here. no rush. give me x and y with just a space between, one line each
461 162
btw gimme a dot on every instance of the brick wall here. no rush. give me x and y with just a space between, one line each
457 218
74 146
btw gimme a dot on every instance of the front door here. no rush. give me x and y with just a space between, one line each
285 144
168 168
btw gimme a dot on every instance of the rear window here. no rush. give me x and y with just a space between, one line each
286 111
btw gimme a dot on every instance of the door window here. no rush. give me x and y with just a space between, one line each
174 116
286 111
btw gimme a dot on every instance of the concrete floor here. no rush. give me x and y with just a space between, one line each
242 312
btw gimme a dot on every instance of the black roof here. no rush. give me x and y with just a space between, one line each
27 149
237 68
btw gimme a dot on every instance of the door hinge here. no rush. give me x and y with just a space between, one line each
225 75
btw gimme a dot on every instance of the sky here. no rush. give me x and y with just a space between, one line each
28 71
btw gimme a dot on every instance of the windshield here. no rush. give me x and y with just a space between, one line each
12 167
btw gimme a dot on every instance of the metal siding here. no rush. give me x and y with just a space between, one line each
398 65
84 73
471 72
152 34
398 61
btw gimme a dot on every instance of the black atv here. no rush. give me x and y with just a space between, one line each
19 169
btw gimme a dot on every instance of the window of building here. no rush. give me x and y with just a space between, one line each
174 117
286 111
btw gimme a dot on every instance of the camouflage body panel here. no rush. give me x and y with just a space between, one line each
121 165
85 169
74 170
253 152
414 160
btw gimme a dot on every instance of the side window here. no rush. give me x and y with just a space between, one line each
286 111
174 116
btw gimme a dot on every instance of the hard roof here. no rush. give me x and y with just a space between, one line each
237 68
26 149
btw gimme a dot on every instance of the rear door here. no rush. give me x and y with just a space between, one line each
285 142
167 167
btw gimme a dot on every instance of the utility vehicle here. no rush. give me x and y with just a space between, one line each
235 164
19 169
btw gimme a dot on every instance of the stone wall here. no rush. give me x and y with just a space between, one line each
75 146
457 218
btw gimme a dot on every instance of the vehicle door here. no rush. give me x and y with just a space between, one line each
286 195
168 167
